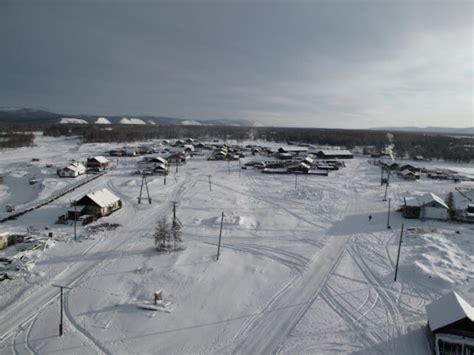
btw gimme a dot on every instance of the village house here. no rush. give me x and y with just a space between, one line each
72 170
463 205
97 162
177 158
334 154
451 324
300 168
98 204
152 162
428 206
408 175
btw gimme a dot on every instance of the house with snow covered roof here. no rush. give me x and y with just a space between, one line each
99 162
72 170
98 203
428 206
451 323
464 205
334 154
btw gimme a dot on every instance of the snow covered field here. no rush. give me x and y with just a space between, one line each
302 270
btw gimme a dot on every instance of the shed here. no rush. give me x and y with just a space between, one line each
451 324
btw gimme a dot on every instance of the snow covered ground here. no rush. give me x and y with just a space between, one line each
302 270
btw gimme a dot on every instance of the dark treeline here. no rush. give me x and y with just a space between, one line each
16 139
407 144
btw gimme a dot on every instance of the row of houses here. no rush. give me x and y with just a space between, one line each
76 169
411 172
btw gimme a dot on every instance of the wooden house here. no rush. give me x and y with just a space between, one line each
152 162
464 205
428 206
334 154
72 170
98 162
451 324
98 203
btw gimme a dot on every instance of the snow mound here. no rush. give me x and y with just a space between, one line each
190 123
151 122
102 120
439 256
72 120
125 120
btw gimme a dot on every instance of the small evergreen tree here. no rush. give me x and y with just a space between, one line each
162 234
450 203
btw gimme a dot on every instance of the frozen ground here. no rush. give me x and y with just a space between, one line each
301 270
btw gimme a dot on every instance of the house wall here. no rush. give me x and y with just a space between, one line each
434 213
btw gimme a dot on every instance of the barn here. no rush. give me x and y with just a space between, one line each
98 203
451 323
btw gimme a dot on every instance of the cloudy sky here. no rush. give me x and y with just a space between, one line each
350 64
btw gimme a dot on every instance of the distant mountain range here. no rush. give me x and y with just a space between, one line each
439 130
28 115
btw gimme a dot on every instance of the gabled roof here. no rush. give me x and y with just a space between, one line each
430 197
448 309
100 159
102 198
335 152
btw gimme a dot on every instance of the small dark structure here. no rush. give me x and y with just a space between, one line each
451 325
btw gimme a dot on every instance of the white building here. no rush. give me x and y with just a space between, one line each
72 170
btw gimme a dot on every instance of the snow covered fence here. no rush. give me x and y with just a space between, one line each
52 198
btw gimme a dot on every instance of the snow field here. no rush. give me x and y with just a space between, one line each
301 269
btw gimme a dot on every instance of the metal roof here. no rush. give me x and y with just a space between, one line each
102 198
448 309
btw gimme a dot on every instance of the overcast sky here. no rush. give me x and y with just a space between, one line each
350 64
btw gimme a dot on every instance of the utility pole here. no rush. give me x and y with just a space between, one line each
220 237
388 214
385 195
398 255
164 180
75 220
381 175
296 180
144 182
210 189
228 166
240 167
61 307
174 213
